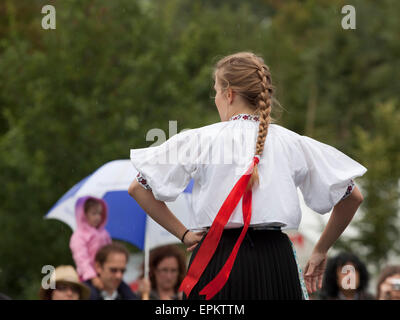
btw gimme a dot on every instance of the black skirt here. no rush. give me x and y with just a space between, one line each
265 267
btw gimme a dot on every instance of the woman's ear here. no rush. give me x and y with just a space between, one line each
230 95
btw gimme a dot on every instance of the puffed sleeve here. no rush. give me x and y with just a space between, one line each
166 169
323 174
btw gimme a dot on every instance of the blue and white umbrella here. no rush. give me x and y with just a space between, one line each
126 219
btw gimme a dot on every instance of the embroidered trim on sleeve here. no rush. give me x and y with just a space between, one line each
142 181
349 189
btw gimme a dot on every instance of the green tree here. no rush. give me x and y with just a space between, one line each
84 94
380 148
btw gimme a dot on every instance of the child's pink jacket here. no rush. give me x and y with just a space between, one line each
87 240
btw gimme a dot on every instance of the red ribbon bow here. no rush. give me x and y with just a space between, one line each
210 243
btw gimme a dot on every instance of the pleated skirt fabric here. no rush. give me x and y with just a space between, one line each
265 267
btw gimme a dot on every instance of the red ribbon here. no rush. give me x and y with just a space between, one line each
210 243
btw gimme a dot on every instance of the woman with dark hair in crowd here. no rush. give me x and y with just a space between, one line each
346 278
167 270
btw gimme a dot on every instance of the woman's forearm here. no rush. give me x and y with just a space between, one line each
341 216
156 209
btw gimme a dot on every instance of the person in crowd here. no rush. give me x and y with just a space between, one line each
167 268
388 286
90 235
346 278
110 265
67 285
242 199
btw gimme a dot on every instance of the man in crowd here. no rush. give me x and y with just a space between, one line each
110 264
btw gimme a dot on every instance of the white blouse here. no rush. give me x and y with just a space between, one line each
215 156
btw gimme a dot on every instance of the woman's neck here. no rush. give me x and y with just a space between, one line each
166 294
240 110
349 294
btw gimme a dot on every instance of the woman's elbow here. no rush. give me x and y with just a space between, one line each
356 196
132 188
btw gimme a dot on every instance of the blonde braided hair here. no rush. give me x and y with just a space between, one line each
247 75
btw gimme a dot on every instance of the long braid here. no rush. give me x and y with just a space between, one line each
264 107
248 75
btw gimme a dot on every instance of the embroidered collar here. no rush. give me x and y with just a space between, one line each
245 116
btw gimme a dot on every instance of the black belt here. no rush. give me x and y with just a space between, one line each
265 228
254 228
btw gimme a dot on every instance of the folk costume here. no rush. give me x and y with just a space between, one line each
245 254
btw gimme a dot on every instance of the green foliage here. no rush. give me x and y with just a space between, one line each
379 228
84 94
